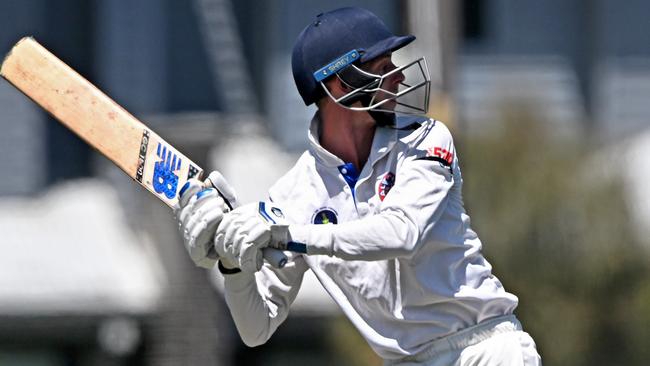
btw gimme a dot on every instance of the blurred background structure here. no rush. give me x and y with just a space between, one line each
548 102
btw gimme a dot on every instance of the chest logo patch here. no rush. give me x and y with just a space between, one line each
387 182
325 216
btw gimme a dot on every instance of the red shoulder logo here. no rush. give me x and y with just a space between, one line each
441 153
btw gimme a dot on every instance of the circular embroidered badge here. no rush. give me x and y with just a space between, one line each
387 182
325 216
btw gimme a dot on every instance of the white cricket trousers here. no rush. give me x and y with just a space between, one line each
496 342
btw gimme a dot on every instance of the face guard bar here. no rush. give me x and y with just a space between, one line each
371 86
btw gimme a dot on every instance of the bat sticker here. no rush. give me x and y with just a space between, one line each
165 180
142 155
162 169
193 172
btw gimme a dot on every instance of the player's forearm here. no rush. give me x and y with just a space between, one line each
251 314
384 236
260 302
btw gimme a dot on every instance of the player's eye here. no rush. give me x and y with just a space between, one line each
388 68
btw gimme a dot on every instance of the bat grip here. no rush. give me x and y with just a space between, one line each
275 257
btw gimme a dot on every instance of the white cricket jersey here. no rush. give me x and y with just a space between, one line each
392 245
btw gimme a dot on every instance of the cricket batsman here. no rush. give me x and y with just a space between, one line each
373 208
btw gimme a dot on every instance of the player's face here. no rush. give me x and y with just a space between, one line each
383 65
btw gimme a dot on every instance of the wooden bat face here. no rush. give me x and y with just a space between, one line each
103 124
98 120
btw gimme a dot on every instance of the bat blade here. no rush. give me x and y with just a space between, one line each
98 120
103 124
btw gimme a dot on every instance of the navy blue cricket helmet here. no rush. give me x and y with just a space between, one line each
333 41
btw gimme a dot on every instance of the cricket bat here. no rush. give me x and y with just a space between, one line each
103 124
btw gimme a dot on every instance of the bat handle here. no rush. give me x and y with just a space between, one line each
275 257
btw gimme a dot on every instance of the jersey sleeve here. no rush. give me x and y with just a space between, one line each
260 302
406 215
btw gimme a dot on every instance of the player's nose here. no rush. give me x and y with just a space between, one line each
397 77
395 80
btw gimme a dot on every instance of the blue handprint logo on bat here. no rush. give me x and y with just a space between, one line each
165 181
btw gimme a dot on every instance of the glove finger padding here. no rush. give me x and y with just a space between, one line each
189 203
225 233
242 235
188 190
199 220
231 234
194 205
251 257
206 226
189 213
203 224
224 240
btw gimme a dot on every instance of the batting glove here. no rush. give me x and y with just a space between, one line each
245 232
199 213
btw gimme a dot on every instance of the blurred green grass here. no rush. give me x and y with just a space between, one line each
561 238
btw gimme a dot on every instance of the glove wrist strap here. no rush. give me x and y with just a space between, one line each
227 271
